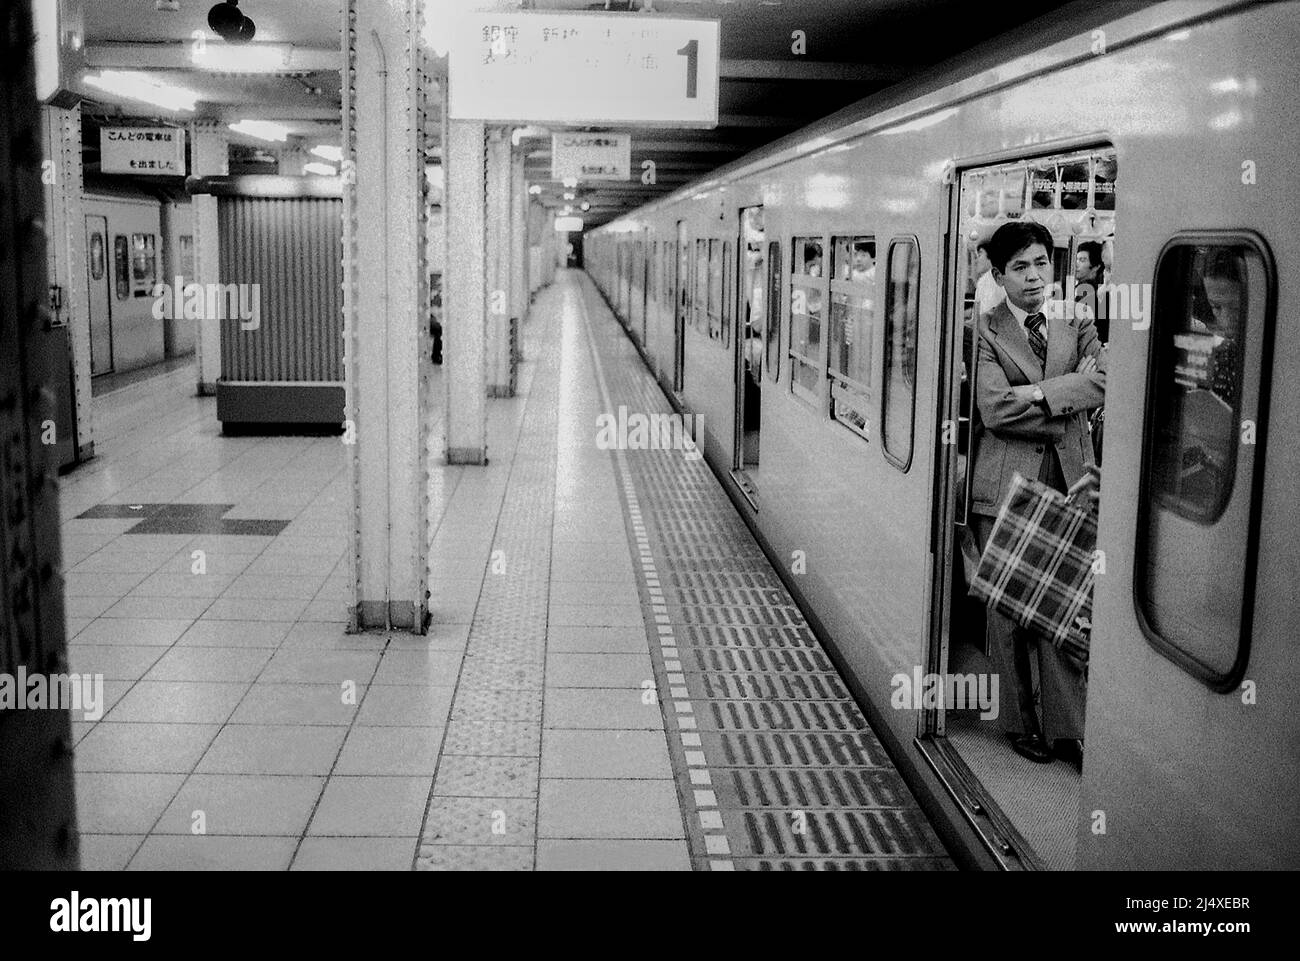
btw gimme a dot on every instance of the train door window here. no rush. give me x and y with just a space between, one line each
185 243
807 303
715 290
773 338
144 264
700 314
97 256
728 293
1205 418
898 398
122 267
851 331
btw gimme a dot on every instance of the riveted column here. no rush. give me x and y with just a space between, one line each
65 222
209 156
499 353
464 313
518 249
38 811
385 99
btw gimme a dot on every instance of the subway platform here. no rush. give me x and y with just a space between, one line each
615 677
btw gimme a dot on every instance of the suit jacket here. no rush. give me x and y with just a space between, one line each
1011 435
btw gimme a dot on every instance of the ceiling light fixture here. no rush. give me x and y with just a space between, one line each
262 130
328 152
253 58
570 182
132 85
229 24
535 189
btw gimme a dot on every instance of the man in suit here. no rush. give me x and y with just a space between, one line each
1037 379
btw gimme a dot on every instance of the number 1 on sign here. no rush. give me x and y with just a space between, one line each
692 54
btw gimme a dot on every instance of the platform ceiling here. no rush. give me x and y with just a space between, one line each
854 48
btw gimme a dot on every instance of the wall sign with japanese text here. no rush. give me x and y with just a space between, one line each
583 68
155 151
591 156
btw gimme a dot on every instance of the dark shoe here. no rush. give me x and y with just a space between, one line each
1032 746
1071 749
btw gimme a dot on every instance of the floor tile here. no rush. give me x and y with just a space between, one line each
487 820
273 749
243 804
395 705
461 857
598 670
179 702
622 708
390 751
605 754
321 667
144 748
117 662
133 632
424 668
214 853
355 854
588 855
199 663
371 807
268 703
268 634
464 775
123 803
609 640
107 852
609 809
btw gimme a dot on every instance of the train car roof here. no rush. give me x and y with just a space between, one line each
1046 44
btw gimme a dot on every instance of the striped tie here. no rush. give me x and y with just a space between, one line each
1037 342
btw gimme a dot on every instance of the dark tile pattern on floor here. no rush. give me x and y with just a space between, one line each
184 519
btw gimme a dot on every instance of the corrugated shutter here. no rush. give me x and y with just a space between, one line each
292 249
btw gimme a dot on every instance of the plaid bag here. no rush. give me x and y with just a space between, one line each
1037 567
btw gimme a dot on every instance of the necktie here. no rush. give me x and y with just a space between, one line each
1037 342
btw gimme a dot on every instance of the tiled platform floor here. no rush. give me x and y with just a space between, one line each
245 729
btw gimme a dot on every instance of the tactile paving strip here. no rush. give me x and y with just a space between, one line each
777 767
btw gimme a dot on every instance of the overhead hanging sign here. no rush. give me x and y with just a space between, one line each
156 151
568 224
591 156
583 68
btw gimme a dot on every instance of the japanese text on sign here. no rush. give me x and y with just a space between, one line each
585 68
159 151
591 156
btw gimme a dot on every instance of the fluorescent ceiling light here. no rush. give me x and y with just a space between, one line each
586 205
570 182
249 58
535 189
262 130
323 170
132 85
568 196
326 152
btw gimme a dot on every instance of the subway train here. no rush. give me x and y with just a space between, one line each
134 241
813 301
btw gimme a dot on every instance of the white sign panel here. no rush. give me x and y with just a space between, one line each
159 151
568 224
583 68
591 156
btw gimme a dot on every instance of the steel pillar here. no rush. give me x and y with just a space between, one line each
386 340
209 156
518 248
500 329
65 221
38 829
464 314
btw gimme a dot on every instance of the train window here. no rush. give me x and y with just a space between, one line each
122 267
728 307
715 290
774 332
851 331
144 264
1198 520
701 305
187 255
97 256
807 304
898 399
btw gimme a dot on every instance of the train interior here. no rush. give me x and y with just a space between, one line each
1073 195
